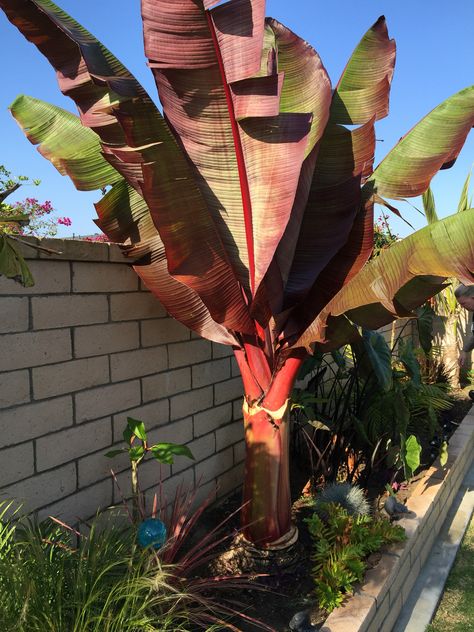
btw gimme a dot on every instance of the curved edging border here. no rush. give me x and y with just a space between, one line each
375 606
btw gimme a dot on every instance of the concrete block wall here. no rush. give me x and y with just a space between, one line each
80 351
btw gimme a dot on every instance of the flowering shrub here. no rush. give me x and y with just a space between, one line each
99 237
39 216
383 235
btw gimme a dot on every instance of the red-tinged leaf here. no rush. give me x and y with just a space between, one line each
364 87
274 150
432 144
137 142
239 28
123 215
334 202
249 166
403 276
306 87
346 264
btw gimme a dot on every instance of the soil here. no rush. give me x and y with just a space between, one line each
289 590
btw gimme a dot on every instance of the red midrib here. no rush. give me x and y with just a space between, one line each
244 185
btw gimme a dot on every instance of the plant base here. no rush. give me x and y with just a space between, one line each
245 557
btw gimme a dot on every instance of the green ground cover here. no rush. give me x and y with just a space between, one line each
456 609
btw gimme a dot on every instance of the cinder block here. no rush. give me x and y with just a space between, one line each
103 277
377 580
132 364
235 371
401 575
97 467
228 391
106 400
75 250
166 384
392 615
228 435
211 419
237 412
14 388
351 615
97 340
51 277
200 448
43 489
214 466
135 306
81 505
184 480
180 432
411 579
210 372
163 330
18 351
153 415
15 315
68 377
239 452
230 481
50 312
191 402
382 612
34 420
16 463
221 351
186 353
72 443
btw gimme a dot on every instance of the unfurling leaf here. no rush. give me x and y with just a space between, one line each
137 428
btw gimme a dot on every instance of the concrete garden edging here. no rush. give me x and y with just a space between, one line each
377 603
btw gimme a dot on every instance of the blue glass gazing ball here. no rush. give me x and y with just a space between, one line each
151 532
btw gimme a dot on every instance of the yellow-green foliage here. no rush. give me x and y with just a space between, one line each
341 544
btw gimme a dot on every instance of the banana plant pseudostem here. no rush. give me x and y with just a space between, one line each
247 206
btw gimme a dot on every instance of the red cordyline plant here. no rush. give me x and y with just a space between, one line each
247 207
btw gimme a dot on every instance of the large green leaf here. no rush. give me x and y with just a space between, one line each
403 276
364 87
425 317
12 264
434 143
73 149
336 236
375 358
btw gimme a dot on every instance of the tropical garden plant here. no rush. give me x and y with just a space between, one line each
28 217
247 207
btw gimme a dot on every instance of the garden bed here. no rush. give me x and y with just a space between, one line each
377 603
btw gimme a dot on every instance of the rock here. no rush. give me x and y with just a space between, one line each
393 507
301 622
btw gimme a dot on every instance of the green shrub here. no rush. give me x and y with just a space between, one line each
341 544
55 579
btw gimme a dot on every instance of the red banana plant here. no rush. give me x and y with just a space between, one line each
247 206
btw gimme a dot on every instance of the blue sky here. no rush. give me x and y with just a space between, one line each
435 54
